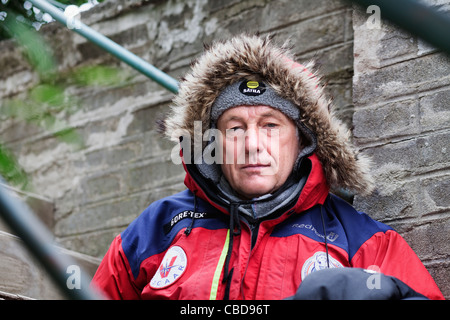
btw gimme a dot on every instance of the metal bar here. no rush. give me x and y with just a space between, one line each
110 46
20 218
419 19
39 241
57 4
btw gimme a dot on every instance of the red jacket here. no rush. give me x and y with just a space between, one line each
178 248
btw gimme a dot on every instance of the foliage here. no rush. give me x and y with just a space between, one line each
47 104
31 16
11 170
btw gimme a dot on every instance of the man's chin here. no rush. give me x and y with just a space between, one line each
254 191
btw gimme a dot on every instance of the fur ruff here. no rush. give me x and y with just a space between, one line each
253 57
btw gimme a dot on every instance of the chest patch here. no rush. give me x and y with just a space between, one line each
318 262
172 267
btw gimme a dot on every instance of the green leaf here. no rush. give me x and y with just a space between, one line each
70 136
11 171
98 76
36 51
52 95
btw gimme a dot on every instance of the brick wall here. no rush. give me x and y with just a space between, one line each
401 92
98 190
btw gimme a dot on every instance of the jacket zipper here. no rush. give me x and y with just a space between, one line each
252 228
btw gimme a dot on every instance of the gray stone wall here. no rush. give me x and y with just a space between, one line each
397 83
125 165
401 92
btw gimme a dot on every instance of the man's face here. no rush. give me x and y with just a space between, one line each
260 147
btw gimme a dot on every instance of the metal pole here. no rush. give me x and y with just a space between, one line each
110 46
20 218
419 19
40 242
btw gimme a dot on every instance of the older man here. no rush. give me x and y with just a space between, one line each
259 219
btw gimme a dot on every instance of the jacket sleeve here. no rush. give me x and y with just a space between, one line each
114 277
388 253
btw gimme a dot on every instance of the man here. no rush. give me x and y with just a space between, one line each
257 217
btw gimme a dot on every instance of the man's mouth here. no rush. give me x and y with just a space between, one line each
255 166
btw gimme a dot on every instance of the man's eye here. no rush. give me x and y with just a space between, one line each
271 125
234 131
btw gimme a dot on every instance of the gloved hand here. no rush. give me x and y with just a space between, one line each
353 284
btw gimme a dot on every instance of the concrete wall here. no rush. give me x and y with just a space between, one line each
401 90
398 84
125 165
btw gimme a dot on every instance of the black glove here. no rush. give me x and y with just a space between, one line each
353 284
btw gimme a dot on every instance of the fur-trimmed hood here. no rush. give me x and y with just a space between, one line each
249 56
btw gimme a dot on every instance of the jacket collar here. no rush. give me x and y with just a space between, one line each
314 191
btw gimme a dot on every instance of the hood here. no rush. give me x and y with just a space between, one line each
254 57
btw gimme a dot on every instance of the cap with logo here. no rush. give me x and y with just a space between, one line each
251 93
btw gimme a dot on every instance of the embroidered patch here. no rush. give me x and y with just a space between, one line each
252 88
318 262
172 267
187 214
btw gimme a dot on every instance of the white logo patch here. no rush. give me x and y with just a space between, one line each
318 262
172 267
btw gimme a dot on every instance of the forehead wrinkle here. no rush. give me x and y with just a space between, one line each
253 112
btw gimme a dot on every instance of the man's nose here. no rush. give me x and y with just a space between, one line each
253 141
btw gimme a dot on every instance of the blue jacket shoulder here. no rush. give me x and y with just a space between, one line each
343 225
145 236
154 230
357 226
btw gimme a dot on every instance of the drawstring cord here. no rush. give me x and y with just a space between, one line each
234 222
188 230
325 236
